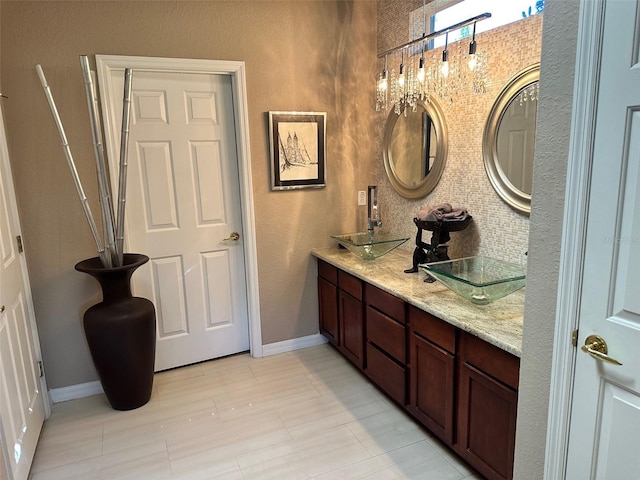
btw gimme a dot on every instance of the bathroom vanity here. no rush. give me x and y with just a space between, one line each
453 365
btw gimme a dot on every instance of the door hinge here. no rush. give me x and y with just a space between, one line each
574 338
40 368
20 247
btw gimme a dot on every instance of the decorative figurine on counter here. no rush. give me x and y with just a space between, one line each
439 219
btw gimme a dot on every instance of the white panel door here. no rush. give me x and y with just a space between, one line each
604 438
183 209
22 407
516 142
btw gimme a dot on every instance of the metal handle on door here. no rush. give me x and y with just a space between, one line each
597 348
234 236
2 309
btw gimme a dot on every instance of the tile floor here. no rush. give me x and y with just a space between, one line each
306 414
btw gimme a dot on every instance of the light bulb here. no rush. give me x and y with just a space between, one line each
382 82
421 73
473 61
444 68
401 76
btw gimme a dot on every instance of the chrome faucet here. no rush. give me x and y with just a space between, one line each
373 214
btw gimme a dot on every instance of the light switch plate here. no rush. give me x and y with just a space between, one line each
362 197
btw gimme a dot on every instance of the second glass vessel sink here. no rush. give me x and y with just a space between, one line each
369 245
480 280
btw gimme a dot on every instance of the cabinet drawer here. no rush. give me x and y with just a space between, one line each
386 303
350 284
439 332
387 334
387 374
328 272
490 359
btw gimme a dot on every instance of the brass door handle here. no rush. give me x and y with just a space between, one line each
597 348
235 236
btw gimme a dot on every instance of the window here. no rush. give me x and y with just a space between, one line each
502 12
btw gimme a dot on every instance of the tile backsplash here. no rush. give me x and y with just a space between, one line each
496 230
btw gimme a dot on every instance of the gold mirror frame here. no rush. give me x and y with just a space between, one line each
514 197
430 181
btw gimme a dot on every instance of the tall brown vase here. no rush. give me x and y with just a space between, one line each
121 333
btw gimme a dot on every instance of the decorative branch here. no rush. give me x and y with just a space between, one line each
113 231
103 184
122 174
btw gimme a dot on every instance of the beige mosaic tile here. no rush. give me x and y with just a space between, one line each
497 230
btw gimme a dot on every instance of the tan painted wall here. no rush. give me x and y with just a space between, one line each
545 242
300 55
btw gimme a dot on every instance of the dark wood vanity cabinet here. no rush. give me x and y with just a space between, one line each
351 318
487 403
386 342
460 387
432 344
342 311
328 301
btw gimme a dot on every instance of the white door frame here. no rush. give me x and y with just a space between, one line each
236 70
585 92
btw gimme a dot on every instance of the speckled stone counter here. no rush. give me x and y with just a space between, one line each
499 323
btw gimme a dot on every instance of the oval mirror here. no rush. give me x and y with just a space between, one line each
509 136
415 149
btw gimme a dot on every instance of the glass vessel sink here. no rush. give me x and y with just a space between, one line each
480 280
369 245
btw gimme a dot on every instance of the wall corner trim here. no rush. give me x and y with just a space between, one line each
72 392
293 344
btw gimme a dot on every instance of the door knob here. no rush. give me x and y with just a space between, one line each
597 348
2 309
234 236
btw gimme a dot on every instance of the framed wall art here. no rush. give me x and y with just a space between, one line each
297 142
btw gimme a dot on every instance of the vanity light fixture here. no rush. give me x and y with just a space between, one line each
421 73
382 90
442 77
473 61
444 67
401 79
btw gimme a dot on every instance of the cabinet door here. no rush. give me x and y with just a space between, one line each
432 387
328 304
351 328
486 423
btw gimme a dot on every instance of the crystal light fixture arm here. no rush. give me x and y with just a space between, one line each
443 78
439 33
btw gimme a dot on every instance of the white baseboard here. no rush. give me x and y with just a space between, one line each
72 392
293 344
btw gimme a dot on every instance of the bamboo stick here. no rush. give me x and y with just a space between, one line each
122 174
103 184
104 217
74 173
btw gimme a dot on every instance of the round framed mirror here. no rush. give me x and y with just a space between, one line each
415 149
509 137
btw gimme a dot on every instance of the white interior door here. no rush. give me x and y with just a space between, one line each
183 210
22 403
605 419
516 142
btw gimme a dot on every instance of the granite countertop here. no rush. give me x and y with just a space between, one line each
499 323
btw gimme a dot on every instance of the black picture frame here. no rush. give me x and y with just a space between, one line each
297 141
